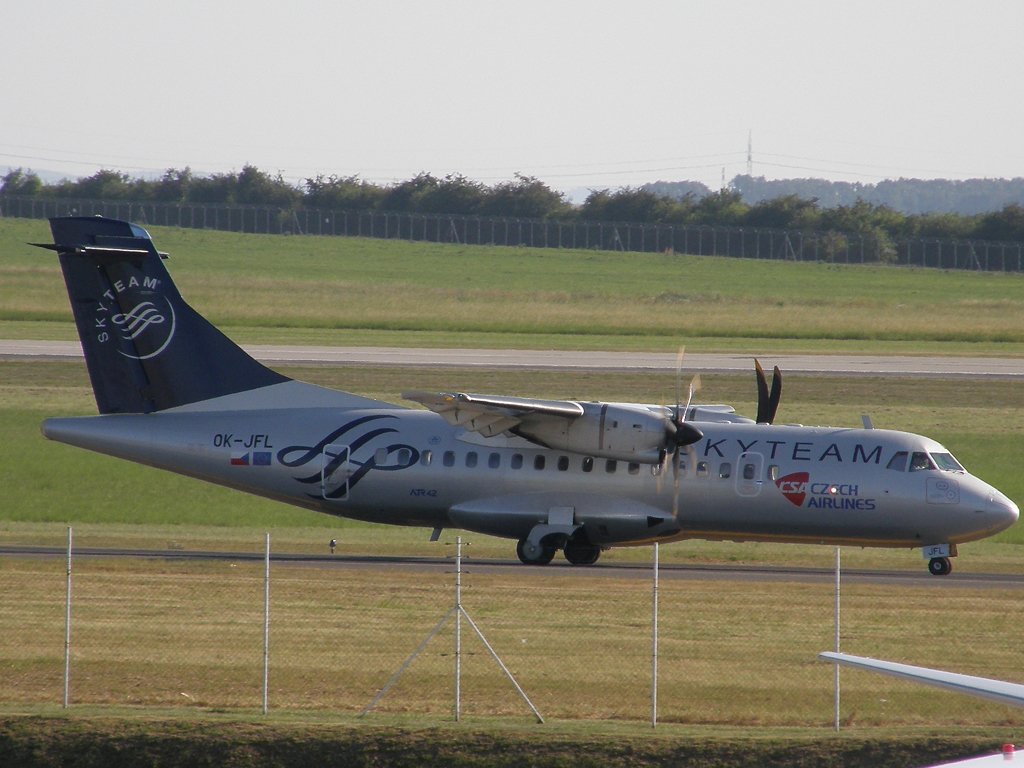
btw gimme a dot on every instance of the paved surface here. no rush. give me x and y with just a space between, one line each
512 359
917 578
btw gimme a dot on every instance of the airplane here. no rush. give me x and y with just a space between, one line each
174 392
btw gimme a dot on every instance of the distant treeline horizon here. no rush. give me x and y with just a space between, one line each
747 202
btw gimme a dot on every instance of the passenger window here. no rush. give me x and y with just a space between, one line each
610 466
588 463
449 458
471 459
724 470
633 468
380 456
773 473
563 463
494 460
538 461
682 467
404 454
517 461
920 461
426 457
898 462
748 471
702 469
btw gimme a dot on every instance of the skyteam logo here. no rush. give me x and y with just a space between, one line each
139 319
144 320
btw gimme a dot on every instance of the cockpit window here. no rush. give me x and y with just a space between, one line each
920 461
946 462
898 461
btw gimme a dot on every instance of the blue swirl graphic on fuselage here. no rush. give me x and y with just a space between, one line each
311 452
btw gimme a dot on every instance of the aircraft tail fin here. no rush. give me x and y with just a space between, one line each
146 349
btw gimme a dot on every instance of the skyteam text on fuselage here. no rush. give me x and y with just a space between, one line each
175 393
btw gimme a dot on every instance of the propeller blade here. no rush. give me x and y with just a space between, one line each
694 388
675 482
775 396
763 405
679 375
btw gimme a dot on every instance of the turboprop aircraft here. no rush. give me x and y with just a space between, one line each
175 393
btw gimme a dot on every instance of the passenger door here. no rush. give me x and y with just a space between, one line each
335 469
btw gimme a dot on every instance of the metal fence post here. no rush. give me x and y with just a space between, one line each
836 666
654 643
458 627
67 627
266 623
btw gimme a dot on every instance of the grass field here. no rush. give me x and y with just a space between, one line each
740 653
351 290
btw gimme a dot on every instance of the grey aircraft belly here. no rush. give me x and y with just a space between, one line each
175 393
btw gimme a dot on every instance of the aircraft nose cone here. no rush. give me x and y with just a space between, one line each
1003 508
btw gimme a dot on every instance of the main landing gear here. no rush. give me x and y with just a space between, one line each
576 552
581 552
939 566
534 554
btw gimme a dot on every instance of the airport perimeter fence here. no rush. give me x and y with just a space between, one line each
165 630
735 242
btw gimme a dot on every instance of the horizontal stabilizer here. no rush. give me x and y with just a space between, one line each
109 254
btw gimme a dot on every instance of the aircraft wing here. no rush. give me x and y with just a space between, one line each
1006 759
492 415
980 687
998 691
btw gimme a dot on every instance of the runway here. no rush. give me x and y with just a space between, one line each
918 578
556 360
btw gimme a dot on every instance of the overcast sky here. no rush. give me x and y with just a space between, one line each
580 94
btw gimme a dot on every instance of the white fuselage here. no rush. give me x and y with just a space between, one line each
385 464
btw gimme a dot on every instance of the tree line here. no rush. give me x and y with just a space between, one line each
525 197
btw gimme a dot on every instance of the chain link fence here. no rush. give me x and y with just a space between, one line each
735 242
166 630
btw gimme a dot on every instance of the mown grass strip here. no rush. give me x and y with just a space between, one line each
253 281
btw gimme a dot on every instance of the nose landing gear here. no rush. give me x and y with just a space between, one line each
939 566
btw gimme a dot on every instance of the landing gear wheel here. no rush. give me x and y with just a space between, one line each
581 553
939 566
531 554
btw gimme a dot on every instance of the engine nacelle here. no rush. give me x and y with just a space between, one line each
604 430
